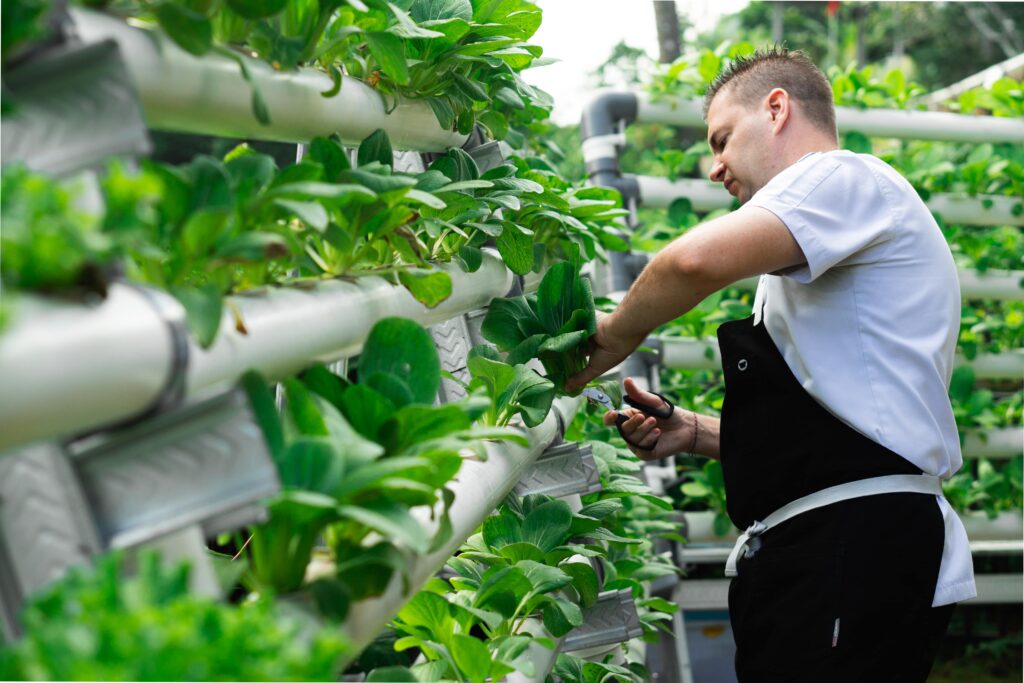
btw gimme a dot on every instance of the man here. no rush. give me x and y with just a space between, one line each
840 376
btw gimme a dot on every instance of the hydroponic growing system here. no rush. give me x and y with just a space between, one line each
120 429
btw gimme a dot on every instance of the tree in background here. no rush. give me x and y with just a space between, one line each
936 43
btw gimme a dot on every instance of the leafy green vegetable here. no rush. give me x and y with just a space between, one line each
101 624
553 325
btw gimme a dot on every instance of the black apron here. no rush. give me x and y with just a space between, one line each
842 593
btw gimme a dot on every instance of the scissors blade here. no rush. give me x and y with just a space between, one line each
597 396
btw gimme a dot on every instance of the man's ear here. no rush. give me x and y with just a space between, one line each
778 105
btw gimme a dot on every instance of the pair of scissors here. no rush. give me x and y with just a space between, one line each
662 413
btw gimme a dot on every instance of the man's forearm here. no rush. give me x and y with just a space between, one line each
668 287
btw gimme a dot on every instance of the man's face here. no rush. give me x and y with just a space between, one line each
740 137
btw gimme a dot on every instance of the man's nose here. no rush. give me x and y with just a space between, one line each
717 174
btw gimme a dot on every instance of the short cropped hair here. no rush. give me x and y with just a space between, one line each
751 78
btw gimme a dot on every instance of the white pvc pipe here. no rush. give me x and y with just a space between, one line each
287 328
207 95
692 354
994 443
70 367
911 125
659 193
1007 285
479 489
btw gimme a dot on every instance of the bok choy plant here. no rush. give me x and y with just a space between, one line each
553 325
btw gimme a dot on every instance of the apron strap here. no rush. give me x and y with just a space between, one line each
759 299
895 483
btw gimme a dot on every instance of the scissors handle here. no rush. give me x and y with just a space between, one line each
661 414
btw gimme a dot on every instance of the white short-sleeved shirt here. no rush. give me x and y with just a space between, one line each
869 325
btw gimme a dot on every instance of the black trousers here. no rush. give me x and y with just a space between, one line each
843 593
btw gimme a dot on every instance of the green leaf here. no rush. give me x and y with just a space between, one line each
203 311
388 51
502 589
366 409
504 319
470 258
516 552
443 112
428 286
302 410
402 348
433 10
418 423
329 154
471 656
261 399
426 198
561 616
376 147
311 464
510 97
458 165
407 28
548 525
516 249
254 247
192 31
257 9
390 519
543 578
428 610
501 530
564 343
532 394
471 88
556 296
311 213
584 580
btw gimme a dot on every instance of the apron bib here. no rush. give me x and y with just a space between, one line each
839 593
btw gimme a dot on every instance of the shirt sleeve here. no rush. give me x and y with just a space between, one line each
835 208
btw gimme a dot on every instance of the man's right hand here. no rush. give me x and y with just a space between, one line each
606 351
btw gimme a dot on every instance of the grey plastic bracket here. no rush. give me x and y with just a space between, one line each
613 619
562 470
204 467
75 107
201 464
453 341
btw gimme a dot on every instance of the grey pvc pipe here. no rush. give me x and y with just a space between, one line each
207 95
908 125
983 210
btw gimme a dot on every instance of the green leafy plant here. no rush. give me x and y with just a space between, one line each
355 458
48 244
512 390
105 623
553 325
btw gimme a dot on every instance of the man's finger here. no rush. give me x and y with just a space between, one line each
581 379
638 394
